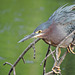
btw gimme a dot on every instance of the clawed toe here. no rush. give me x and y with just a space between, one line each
56 69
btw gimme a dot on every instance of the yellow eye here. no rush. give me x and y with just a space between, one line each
39 31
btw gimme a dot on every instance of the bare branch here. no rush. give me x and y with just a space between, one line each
52 54
44 67
19 58
8 63
47 57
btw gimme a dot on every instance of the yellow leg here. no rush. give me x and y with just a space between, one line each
59 52
70 48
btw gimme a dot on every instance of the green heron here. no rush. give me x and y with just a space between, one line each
58 26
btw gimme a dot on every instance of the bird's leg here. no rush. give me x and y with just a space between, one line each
70 49
56 65
59 52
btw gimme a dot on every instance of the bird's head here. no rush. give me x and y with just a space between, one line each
38 32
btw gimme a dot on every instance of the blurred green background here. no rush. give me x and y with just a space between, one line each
19 18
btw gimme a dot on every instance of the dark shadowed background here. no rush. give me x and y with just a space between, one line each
19 18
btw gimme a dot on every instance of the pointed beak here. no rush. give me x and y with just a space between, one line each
33 35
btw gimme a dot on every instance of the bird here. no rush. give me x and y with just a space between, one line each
56 28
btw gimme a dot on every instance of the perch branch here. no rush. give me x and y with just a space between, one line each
21 56
44 67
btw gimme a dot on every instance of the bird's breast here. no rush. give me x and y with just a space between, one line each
55 34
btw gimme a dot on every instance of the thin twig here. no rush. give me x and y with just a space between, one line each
23 60
52 54
47 57
8 63
14 73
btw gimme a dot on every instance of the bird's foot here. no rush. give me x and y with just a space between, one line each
70 49
56 69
